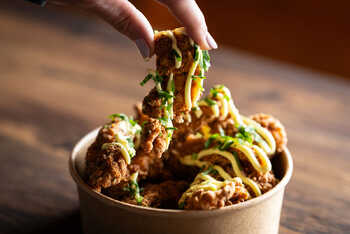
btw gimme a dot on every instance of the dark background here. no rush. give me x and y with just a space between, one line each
313 34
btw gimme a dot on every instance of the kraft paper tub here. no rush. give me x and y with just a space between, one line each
103 215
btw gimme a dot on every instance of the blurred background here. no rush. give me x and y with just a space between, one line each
313 34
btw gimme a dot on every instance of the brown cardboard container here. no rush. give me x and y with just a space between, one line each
101 214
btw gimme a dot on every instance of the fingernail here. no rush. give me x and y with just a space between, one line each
211 42
143 47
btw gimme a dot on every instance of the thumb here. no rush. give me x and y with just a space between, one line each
124 17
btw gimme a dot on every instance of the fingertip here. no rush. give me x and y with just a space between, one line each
211 42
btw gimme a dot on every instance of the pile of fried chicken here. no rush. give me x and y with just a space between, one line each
154 176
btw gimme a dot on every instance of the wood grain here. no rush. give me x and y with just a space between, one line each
58 81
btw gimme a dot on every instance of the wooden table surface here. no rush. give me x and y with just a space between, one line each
61 78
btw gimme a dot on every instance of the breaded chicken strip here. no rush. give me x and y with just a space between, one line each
180 60
232 192
105 163
117 152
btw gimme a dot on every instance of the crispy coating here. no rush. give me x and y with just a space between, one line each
152 104
154 136
149 167
165 60
105 167
265 181
164 194
275 127
231 193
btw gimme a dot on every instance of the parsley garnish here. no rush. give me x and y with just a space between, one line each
215 91
163 121
210 170
177 56
170 128
182 205
120 116
248 134
194 77
130 142
164 94
134 190
172 86
196 52
226 144
206 60
132 122
147 78
210 102
143 124
157 78
210 140
169 106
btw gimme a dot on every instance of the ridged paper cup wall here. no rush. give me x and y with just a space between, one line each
101 214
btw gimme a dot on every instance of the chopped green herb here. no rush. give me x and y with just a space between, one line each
248 134
164 94
163 121
177 55
169 106
194 156
143 124
134 190
172 86
147 78
210 170
210 102
120 116
206 60
182 205
195 77
158 78
226 144
210 140
196 52
170 128
215 91
132 122
130 142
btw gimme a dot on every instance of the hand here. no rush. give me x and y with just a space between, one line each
124 17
